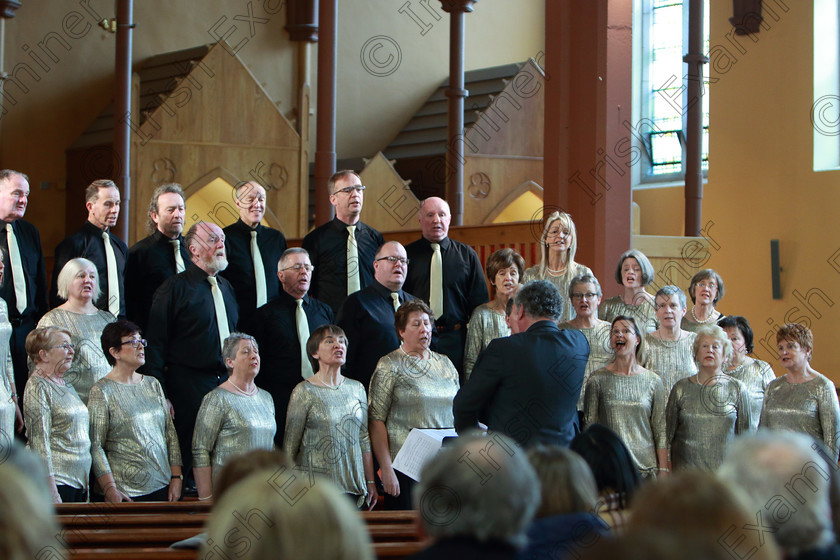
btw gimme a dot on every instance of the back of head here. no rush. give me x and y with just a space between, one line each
610 462
658 545
481 487
277 514
566 482
540 299
238 468
27 526
787 485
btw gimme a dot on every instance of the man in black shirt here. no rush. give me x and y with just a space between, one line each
338 271
25 288
462 284
252 249
275 327
160 255
103 205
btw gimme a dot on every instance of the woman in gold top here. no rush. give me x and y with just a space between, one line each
136 456
327 420
78 284
669 349
235 417
11 417
706 290
803 399
630 399
633 272
504 269
755 374
558 245
705 411
412 387
56 418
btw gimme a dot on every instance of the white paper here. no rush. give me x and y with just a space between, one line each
420 447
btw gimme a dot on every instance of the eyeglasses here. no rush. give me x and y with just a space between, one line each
587 295
136 342
298 267
394 260
66 346
349 190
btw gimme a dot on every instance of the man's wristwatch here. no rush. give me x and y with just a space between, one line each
178 476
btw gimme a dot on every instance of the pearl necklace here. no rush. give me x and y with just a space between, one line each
706 320
325 384
246 393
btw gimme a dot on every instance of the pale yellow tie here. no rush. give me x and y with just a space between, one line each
396 297
18 277
221 314
259 270
353 284
303 336
436 282
113 279
179 260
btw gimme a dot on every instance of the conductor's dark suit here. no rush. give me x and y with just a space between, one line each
527 386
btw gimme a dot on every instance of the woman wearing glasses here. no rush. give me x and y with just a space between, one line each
56 418
135 450
79 285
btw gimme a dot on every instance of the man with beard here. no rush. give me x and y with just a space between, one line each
192 314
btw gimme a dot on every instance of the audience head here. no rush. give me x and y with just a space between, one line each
390 265
560 235
634 269
43 340
795 337
102 200
83 272
537 299
456 501
167 209
434 216
331 336
566 481
739 331
250 199
657 545
273 520
27 522
113 335
241 348
14 195
711 339
346 195
294 269
710 284
206 243
610 461
239 467
625 332
787 483
585 295
505 268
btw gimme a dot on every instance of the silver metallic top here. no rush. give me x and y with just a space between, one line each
7 379
672 360
57 424
600 352
809 407
689 324
230 424
562 282
89 363
644 313
407 392
703 419
633 406
485 325
327 432
756 375
133 435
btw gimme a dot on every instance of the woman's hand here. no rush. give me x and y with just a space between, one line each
372 497
114 496
175 489
390 482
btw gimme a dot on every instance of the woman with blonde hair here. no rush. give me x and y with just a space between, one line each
558 245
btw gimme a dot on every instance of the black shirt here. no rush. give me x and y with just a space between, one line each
150 262
367 318
88 243
240 270
464 287
32 259
327 247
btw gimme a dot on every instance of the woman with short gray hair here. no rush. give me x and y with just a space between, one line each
633 273
669 348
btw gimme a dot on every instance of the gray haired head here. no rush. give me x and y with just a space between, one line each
232 345
540 298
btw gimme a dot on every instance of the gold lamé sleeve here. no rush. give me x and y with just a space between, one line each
657 418
591 400
532 273
829 414
672 415
98 407
296 415
381 390
475 340
208 424
37 403
364 433
173 446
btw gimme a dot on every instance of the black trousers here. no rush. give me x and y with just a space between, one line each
403 501
69 494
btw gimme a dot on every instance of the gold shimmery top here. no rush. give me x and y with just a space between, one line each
407 392
810 408
600 352
132 434
7 379
327 432
562 282
485 325
644 313
703 419
89 363
672 360
57 427
689 324
230 424
756 375
633 406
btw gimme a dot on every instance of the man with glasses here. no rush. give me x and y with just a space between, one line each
342 250
253 251
282 327
367 316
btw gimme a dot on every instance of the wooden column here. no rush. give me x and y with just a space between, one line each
456 93
325 126
122 113
588 126
694 120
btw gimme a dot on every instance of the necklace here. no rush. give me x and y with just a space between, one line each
706 320
246 393
325 384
